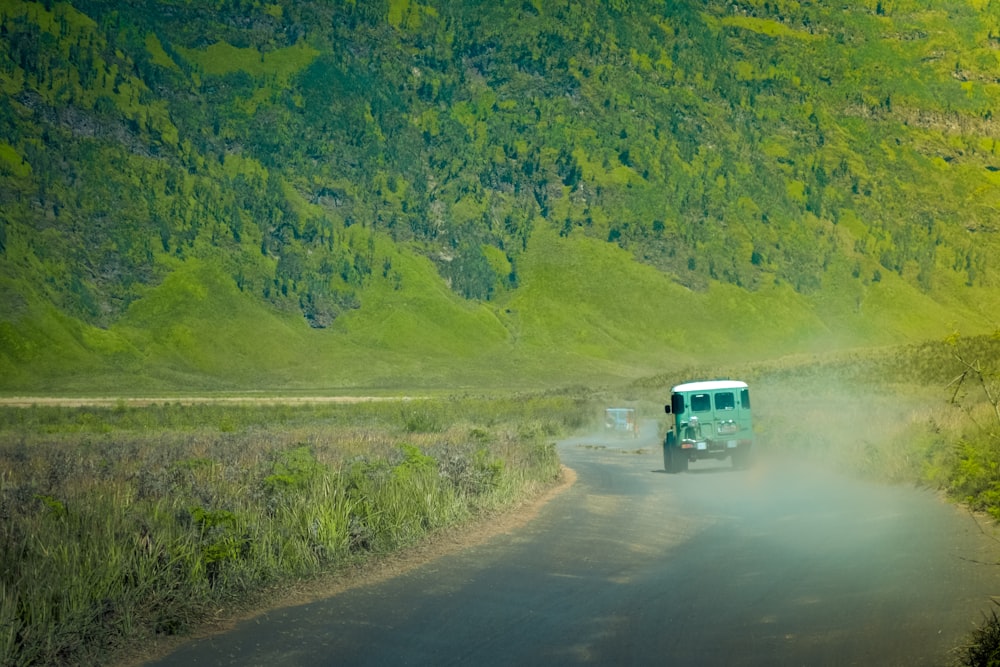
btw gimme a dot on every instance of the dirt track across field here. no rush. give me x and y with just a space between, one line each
70 402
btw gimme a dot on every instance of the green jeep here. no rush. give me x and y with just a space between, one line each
711 420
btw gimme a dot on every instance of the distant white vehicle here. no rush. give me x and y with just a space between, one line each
711 420
622 421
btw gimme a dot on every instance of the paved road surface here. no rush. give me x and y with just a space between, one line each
778 565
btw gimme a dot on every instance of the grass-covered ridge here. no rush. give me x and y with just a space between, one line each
377 186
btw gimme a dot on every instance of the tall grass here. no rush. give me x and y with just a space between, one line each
118 524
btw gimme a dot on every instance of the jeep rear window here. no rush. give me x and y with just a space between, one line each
725 401
701 403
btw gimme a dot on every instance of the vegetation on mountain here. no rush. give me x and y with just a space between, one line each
327 195
238 193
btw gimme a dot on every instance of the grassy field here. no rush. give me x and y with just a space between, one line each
126 521
122 523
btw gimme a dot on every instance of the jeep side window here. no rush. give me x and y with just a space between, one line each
701 403
745 398
677 404
725 401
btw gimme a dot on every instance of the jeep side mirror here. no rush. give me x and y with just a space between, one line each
666 408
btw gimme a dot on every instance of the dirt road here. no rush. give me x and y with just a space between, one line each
249 398
779 565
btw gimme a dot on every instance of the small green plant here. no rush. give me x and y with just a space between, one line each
420 419
983 649
414 461
294 469
218 539
57 509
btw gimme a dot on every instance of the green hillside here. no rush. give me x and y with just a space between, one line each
338 195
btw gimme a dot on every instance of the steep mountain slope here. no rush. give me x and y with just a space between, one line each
345 194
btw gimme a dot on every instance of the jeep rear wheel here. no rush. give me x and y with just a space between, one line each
681 460
741 458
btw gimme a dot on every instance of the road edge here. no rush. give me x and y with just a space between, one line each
437 545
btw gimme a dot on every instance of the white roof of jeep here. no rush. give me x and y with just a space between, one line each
709 385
